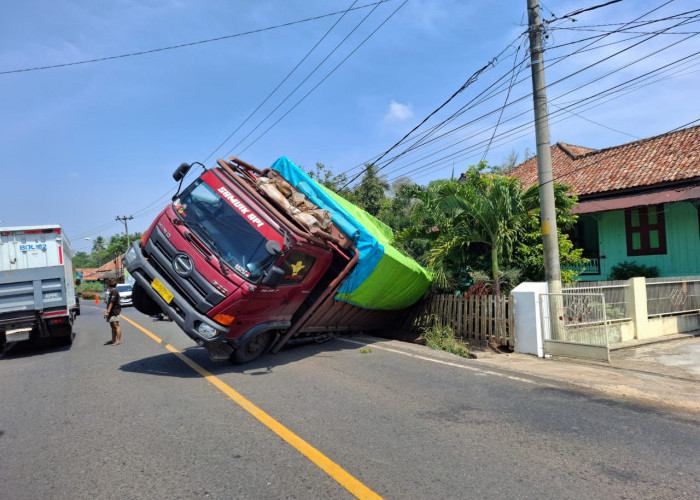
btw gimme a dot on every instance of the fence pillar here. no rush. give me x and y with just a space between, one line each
637 303
528 320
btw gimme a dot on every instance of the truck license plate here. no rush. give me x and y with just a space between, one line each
162 291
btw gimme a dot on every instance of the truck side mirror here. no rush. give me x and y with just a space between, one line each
181 171
272 247
273 277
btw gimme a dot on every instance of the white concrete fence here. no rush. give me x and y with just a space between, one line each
637 309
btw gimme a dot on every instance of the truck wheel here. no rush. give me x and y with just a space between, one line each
61 335
67 339
142 302
253 348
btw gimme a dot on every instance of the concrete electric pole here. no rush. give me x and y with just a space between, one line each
123 219
548 216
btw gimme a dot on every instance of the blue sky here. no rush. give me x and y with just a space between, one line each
84 143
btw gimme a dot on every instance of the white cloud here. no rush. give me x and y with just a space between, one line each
398 112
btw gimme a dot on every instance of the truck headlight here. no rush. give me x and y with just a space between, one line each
206 331
131 253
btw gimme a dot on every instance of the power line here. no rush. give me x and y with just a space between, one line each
318 66
633 24
581 11
513 131
189 44
284 80
504 136
596 123
461 89
327 76
562 79
579 102
685 126
557 114
463 109
505 103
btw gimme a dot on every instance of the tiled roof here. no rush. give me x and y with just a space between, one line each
656 161
89 273
109 269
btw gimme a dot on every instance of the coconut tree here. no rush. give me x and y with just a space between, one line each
486 209
98 244
370 193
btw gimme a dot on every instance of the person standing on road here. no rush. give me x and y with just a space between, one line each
114 309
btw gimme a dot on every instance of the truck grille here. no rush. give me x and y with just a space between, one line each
195 288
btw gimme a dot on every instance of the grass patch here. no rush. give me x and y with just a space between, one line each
442 338
365 351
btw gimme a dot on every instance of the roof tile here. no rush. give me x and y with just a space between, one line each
656 160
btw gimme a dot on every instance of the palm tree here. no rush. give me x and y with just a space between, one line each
98 244
487 209
370 193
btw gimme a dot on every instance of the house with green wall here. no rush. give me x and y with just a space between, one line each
638 202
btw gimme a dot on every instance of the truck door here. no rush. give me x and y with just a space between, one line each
302 268
300 276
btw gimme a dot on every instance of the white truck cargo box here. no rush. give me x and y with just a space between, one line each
37 291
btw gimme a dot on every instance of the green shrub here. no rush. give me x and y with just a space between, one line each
91 286
88 296
442 338
626 270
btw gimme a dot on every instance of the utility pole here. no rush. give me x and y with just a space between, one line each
123 219
548 216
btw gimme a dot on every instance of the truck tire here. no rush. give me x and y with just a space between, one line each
142 302
61 334
252 348
66 339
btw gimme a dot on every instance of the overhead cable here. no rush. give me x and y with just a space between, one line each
284 80
189 44
318 66
327 76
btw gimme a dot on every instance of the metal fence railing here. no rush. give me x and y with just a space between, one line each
615 293
589 267
673 295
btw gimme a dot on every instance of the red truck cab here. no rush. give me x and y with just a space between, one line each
229 267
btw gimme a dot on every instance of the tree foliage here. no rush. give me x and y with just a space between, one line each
486 223
483 210
370 194
325 176
104 250
529 253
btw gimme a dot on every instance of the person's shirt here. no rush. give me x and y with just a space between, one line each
116 302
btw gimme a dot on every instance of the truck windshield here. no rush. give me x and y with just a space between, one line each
228 234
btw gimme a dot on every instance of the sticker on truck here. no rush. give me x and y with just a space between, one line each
28 247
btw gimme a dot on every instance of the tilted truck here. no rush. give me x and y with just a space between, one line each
37 290
244 260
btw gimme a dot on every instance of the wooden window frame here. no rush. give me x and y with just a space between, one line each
644 229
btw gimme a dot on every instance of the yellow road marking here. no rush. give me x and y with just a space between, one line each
323 462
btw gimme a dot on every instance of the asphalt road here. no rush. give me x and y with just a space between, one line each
154 418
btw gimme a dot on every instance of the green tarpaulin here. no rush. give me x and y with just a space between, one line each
384 278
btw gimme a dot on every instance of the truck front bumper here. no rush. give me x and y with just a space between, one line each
194 323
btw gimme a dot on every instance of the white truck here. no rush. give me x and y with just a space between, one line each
37 290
